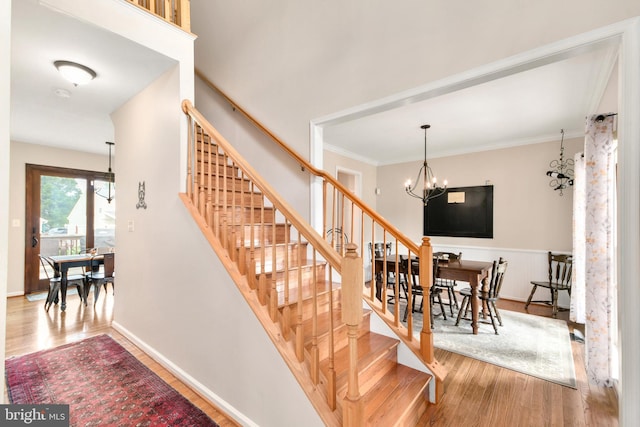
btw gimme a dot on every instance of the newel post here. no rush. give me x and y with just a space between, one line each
426 281
352 316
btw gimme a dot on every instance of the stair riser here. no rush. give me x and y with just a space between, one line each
307 276
248 215
240 199
322 299
233 183
339 335
370 376
202 156
294 253
203 168
293 258
243 234
229 198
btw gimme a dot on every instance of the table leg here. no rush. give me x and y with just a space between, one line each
63 290
378 280
475 309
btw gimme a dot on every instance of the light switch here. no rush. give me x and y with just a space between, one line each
15 223
130 225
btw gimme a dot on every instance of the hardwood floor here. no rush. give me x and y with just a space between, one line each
30 328
481 394
477 393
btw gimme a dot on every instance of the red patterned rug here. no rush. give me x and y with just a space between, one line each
103 384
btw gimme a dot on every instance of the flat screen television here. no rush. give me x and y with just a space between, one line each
460 212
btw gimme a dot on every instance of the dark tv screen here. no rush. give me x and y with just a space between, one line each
461 212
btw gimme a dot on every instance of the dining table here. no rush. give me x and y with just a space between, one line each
62 264
473 272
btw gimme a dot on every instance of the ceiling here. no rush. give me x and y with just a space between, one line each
523 108
40 36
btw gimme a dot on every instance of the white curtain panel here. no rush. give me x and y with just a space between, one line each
599 286
577 313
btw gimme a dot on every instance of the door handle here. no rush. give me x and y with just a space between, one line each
34 241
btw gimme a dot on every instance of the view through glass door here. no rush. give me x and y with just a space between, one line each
67 213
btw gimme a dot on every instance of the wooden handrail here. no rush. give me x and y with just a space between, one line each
412 246
379 284
314 238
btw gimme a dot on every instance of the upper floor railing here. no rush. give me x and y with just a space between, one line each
177 12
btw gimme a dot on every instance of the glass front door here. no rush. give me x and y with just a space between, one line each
66 214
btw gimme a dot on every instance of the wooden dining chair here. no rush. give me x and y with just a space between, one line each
417 291
488 298
447 285
399 277
101 277
559 279
55 282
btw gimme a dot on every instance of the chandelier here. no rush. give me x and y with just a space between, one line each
111 186
561 171
430 188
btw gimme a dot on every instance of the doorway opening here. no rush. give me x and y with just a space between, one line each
67 213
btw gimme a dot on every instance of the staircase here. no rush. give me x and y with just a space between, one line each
307 294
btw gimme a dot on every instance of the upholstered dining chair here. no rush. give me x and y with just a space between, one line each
100 277
55 281
447 284
488 297
559 279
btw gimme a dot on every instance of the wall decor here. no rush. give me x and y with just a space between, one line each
141 192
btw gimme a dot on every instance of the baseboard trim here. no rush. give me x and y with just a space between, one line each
195 385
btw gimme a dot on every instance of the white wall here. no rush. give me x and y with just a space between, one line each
296 60
530 218
174 297
21 154
5 115
528 214
291 61
272 163
333 161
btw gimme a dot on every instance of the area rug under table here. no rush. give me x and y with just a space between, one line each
102 383
534 345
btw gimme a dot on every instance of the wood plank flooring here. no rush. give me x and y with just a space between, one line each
481 394
30 328
477 393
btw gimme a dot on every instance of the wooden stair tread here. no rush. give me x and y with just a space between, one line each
372 349
392 394
323 323
277 244
322 288
304 263
395 396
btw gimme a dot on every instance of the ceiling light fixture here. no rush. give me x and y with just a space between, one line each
561 170
110 179
430 188
77 74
